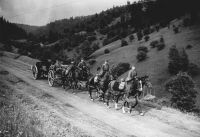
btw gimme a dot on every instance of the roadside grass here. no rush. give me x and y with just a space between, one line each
14 121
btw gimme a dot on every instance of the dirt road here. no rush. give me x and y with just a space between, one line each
60 110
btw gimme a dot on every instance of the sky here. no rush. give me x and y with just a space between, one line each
41 12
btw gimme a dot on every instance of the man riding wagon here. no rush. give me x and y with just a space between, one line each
83 68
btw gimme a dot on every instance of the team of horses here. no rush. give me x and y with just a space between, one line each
107 87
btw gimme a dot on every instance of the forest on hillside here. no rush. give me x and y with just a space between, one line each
81 32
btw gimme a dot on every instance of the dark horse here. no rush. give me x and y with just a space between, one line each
132 88
73 75
99 84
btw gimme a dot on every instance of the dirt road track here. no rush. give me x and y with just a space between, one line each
94 118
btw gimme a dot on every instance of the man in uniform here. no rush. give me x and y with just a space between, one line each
83 67
132 74
105 68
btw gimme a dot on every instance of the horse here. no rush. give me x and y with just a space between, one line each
115 91
135 91
100 84
75 75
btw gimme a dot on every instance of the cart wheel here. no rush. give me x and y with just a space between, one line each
35 72
51 78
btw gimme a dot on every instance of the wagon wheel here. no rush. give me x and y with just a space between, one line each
35 72
51 78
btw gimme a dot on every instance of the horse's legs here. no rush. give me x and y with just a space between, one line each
133 105
90 93
108 99
116 101
123 107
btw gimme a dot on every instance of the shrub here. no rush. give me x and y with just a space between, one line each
160 46
189 46
142 48
105 42
131 38
8 47
139 35
162 39
157 27
92 61
154 43
106 51
147 31
95 46
146 38
141 56
183 93
120 69
91 38
186 22
176 29
193 69
124 43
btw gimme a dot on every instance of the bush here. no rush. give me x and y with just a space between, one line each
142 48
186 22
189 46
176 30
147 31
91 38
157 27
160 46
193 69
131 38
183 93
106 51
139 35
141 56
146 38
124 43
105 42
8 47
92 61
154 43
162 39
95 46
120 69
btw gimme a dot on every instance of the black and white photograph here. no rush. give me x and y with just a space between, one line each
99 68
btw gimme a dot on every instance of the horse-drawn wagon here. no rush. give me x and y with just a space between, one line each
57 74
40 69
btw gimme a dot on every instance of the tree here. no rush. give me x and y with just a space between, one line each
141 56
174 60
184 60
131 38
123 43
178 61
183 93
85 48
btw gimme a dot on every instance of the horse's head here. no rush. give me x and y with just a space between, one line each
145 81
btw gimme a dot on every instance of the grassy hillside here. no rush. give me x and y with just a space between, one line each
157 62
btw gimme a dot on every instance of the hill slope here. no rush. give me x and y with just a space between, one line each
157 62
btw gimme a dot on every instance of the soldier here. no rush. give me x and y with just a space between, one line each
132 74
84 69
105 68
82 64
58 65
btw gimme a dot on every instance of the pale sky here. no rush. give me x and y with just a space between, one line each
41 12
